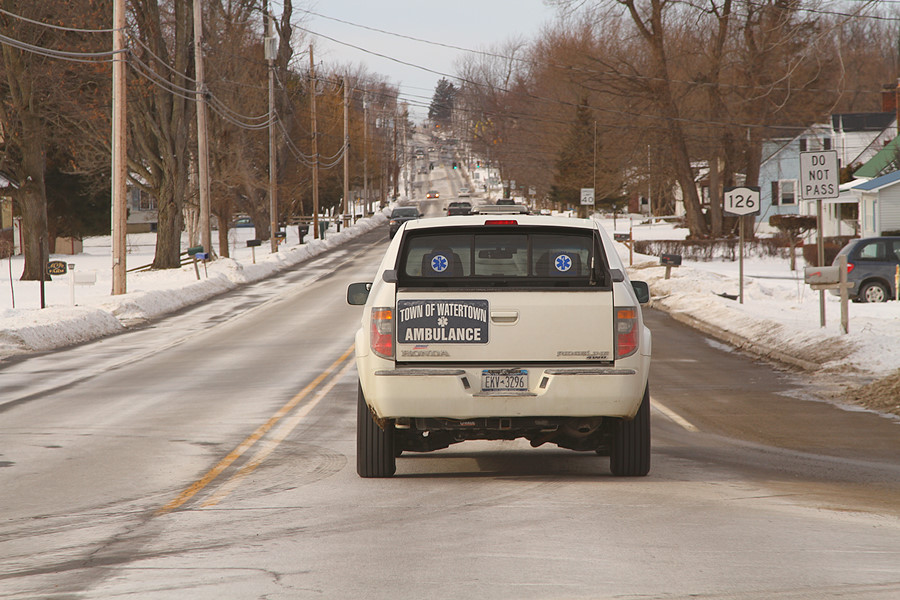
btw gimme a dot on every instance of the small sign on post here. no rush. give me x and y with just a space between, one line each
253 244
820 177
587 196
57 267
740 202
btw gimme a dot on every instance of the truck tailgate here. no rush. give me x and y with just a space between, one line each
503 326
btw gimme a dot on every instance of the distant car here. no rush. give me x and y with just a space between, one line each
432 194
459 208
401 215
871 267
463 192
243 222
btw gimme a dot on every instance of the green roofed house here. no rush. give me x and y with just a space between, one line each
885 161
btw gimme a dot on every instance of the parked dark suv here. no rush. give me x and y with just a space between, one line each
871 268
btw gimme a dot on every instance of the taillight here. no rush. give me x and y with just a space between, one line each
501 222
849 267
382 334
626 331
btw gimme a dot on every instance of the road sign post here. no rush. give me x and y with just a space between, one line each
820 177
740 202
587 199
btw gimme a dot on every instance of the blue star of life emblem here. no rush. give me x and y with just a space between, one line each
439 263
563 263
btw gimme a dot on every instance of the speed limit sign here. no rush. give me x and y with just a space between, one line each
740 201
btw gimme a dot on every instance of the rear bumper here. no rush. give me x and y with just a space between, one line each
553 390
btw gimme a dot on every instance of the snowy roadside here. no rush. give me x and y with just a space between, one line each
780 320
150 294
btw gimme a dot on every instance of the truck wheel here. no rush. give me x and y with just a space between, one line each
873 292
630 452
374 445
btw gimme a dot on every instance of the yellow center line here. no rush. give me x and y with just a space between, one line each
269 445
254 437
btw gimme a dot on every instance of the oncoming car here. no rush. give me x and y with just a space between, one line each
432 194
401 215
501 327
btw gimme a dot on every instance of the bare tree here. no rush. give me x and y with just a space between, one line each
36 91
159 115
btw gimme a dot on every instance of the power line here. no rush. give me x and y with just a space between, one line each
57 27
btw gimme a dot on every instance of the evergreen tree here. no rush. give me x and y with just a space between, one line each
442 101
575 166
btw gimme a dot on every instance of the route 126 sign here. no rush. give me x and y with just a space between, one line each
740 201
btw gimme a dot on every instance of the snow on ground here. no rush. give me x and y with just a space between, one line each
779 316
28 328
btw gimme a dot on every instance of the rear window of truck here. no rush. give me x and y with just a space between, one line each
503 256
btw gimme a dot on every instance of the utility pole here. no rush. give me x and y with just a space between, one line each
202 144
365 153
119 145
315 143
395 169
273 180
346 150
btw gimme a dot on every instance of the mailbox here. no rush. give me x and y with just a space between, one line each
254 243
622 237
822 275
193 250
670 260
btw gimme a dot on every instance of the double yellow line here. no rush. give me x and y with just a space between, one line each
268 446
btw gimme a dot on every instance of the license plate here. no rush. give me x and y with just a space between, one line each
504 380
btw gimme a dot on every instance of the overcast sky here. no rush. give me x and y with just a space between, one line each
475 24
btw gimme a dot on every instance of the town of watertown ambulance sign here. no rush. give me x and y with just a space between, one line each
442 321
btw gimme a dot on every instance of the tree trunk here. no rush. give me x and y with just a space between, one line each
224 217
715 197
33 206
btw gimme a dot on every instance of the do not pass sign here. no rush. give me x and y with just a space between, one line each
820 175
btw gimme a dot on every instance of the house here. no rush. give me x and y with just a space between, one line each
856 137
143 216
879 205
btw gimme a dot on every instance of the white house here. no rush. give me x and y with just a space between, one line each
879 205
856 137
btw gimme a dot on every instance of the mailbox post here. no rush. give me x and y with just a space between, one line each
830 278
626 238
193 251
253 244
669 261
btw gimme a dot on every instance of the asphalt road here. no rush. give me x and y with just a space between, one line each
211 455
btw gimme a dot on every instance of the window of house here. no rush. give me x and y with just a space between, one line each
826 144
802 144
787 191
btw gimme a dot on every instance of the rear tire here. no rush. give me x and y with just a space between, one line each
873 292
630 452
375 456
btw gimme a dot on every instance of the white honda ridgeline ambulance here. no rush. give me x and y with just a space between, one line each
496 327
